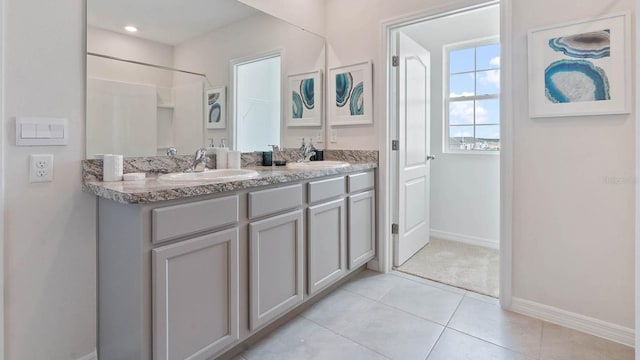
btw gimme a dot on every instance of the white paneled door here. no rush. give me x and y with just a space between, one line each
413 157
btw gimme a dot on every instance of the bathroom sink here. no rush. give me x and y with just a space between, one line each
311 165
213 175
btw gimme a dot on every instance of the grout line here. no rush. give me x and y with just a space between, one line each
405 311
435 343
541 338
526 356
455 311
347 338
423 281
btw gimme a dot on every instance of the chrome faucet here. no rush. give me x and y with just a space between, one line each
199 161
171 152
307 151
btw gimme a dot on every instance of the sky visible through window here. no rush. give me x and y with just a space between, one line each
474 107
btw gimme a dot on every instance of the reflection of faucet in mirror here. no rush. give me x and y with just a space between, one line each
199 161
307 151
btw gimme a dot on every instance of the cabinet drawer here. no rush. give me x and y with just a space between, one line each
326 189
173 222
272 201
362 181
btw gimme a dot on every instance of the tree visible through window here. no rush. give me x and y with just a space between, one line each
472 103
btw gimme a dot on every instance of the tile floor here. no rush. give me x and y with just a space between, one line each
398 316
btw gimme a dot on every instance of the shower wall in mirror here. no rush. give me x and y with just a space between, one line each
141 110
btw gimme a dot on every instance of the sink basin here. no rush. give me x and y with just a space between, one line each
212 175
310 165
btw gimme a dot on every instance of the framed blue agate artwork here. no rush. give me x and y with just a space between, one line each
305 99
581 68
215 108
351 96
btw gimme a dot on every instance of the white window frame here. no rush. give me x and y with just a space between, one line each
446 49
233 70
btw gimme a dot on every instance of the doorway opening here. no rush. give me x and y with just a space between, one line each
256 104
445 192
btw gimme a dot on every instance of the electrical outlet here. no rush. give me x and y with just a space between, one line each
41 168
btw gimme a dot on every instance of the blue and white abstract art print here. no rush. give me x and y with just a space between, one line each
350 88
305 99
580 68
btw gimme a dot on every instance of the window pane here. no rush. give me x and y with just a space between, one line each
488 82
461 138
461 60
488 57
488 111
488 137
258 104
461 85
461 113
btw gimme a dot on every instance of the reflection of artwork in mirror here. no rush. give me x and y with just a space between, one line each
350 89
580 68
215 104
305 97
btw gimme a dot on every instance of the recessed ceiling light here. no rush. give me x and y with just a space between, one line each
131 28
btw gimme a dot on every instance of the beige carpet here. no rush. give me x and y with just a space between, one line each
470 267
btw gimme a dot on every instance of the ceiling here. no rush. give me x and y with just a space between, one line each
166 21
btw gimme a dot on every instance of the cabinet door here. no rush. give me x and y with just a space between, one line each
327 244
195 296
275 267
362 228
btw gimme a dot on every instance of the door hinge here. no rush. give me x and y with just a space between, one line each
394 229
395 61
395 145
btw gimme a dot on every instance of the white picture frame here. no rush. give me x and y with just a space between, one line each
351 95
305 100
215 108
581 68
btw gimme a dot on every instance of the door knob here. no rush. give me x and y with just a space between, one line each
431 157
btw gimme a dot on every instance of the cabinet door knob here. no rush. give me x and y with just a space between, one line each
430 157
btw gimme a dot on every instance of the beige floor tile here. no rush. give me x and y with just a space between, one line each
423 300
303 339
371 284
490 323
560 343
454 345
388 331
485 298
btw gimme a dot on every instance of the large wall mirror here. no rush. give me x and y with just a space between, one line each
192 74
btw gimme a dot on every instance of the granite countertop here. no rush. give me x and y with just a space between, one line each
153 189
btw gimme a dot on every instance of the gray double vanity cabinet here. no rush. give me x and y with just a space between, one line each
192 277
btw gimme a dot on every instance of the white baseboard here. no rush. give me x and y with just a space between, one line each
467 239
599 328
92 356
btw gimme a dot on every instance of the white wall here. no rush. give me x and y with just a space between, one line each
572 233
260 34
307 14
50 244
465 188
128 47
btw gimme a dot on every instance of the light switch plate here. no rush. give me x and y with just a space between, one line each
40 131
